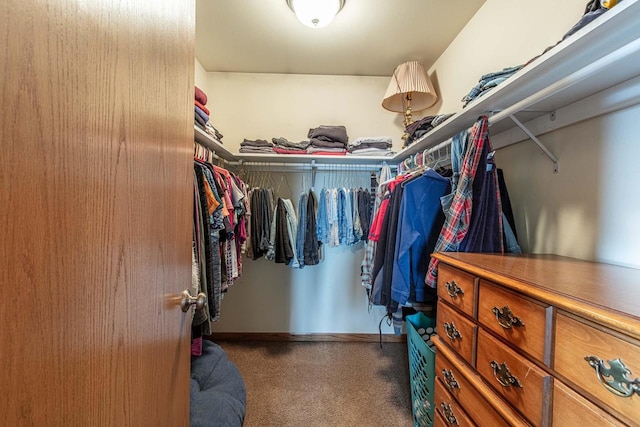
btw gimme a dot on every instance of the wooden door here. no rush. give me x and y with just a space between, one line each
95 211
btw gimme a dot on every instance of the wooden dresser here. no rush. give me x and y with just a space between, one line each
536 340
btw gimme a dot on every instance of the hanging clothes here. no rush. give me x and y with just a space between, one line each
419 224
458 218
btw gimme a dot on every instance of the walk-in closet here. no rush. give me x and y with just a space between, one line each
412 213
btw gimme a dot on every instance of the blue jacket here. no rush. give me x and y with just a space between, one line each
419 226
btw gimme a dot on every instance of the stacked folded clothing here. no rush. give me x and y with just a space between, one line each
594 9
328 140
202 115
371 146
418 129
256 146
488 82
284 146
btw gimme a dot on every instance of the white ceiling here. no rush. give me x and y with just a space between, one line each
367 38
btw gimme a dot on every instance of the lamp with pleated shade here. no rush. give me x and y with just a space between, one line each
410 88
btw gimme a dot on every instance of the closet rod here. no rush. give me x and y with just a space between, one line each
308 167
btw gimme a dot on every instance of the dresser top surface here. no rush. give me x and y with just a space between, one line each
588 284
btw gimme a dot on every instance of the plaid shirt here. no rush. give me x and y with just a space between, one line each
459 215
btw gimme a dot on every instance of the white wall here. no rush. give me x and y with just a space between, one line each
201 77
588 209
503 33
325 298
272 105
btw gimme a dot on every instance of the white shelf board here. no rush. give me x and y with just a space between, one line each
202 138
613 32
307 158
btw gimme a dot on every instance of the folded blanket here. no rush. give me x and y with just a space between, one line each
314 150
201 113
261 150
210 129
365 145
284 142
326 144
199 119
256 143
202 107
367 139
281 150
201 97
372 152
418 129
331 133
328 153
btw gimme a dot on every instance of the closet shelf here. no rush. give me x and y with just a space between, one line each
203 138
295 158
221 151
565 74
603 54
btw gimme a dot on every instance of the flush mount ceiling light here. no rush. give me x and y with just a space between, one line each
315 13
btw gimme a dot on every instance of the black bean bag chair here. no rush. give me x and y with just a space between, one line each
218 394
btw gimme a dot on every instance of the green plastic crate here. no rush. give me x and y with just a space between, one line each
422 367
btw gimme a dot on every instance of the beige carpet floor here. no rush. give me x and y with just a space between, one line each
324 383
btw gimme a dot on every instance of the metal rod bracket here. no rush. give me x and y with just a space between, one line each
530 134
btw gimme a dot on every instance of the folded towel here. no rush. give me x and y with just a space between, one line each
202 107
365 139
372 152
199 120
281 150
259 150
331 133
201 113
314 150
256 143
365 145
326 144
201 97
284 142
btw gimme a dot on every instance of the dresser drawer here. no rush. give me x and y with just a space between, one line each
515 318
438 420
457 331
576 341
571 409
457 288
449 409
474 404
517 379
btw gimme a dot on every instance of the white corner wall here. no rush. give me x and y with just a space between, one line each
503 33
589 209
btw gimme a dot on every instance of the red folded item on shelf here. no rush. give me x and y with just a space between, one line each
328 153
202 107
280 150
201 97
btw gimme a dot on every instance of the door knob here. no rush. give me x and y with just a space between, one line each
187 301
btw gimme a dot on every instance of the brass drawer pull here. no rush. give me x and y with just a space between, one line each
449 380
451 331
447 411
505 317
618 384
453 289
504 377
